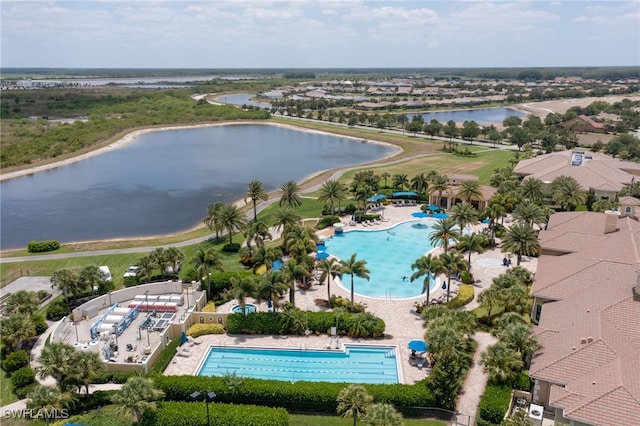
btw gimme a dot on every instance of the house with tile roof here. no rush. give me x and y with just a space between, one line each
587 310
583 123
605 175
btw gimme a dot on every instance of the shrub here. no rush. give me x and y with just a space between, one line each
15 361
231 248
24 392
522 382
328 221
43 294
57 309
43 246
194 414
494 404
39 323
22 377
209 307
466 277
197 330
341 302
130 281
465 296
165 357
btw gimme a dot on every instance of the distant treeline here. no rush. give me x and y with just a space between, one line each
529 74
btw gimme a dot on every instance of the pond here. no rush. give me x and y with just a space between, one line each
242 99
481 116
163 182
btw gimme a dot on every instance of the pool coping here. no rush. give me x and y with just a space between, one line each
343 348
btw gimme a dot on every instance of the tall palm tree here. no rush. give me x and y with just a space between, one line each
385 176
90 276
137 395
296 233
532 189
56 360
444 231
204 260
469 190
67 281
473 242
146 266
258 232
353 402
285 218
400 181
330 268
265 256
231 219
465 214
493 212
255 192
352 267
174 256
453 262
427 267
290 194
159 259
271 286
519 338
241 288
332 191
501 363
530 214
521 239
49 401
420 183
86 368
212 219
489 299
294 272
439 184
15 329
566 192
382 414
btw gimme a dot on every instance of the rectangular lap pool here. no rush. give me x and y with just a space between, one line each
352 364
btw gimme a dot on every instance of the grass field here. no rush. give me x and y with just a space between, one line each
6 393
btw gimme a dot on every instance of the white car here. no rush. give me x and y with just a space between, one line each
106 272
131 271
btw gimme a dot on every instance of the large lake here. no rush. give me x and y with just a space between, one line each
164 181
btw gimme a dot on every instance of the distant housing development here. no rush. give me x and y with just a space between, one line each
587 307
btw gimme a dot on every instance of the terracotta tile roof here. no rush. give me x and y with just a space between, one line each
630 201
589 328
591 121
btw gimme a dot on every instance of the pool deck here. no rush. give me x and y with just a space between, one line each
402 322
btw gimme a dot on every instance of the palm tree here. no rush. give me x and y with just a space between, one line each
293 321
469 190
204 260
174 256
90 276
22 302
519 338
146 266
427 266
566 192
297 233
465 214
493 212
332 191
294 272
439 184
56 360
15 329
258 232
86 368
290 194
159 259
255 192
444 231
265 256
67 281
353 401
521 239
489 299
454 262
331 268
400 181
286 217
531 214
231 218
271 286
137 395
355 267
385 176
49 401
501 363
532 189
472 242
382 414
212 220
420 183
241 289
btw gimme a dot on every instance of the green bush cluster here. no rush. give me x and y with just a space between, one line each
56 310
194 414
341 302
231 248
465 296
493 405
197 330
15 361
316 397
22 377
522 382
43 246
357 325
328 221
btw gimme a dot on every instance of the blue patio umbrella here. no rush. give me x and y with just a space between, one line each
321 247
419 214
433 208
440 216
486 220
322 255
418 345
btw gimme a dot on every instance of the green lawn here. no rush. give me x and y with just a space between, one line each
309 208
307 420
6 390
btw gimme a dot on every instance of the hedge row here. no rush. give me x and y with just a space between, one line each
165 358
493 405
197 330
357 325
318 397
195 414
465 296
43 246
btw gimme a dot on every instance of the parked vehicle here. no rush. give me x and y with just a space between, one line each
131 271
107 273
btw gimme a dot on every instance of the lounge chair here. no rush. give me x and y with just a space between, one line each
193 341
183 354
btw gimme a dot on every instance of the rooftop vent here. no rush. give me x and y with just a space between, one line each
577 158
583 340
589 339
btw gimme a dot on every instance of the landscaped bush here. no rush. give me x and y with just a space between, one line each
198 330
39 323
221 281
522 382
494 404
231 248
15 361
316 397
328 221
22 377
195 414
209 307
341 302
466 277
56 310
165 358
465 296
43 246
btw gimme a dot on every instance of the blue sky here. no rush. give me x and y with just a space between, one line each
318 34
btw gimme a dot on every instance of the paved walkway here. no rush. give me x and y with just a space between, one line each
476 380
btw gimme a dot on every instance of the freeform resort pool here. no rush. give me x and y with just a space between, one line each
352 364
389 254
